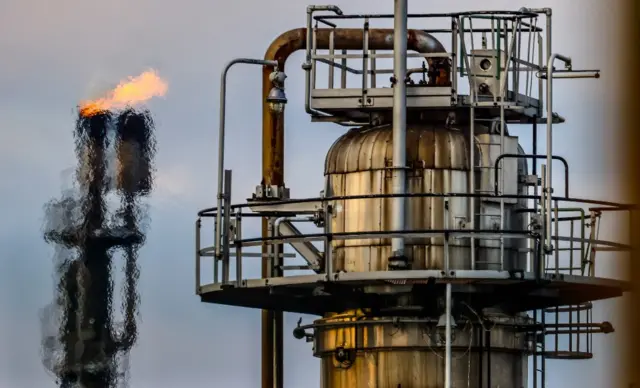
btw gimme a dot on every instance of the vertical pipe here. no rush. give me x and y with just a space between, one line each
373 68
215 258
540 81
548 186
502 182
314 62
365 61
447 358
535 351
239 247
481 355
225 230
447 263
549 101
472 183
549 135
543 360
332 68
571 272
272 338
534 172
543 212
399 121
557 250
548 31
488 344
343 73
454 59
328 257
198 225
534 166
223 101
516 68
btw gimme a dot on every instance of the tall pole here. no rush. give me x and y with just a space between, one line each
399 125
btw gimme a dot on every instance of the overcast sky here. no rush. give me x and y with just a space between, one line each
55 53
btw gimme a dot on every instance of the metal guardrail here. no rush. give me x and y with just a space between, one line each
316 208
513 38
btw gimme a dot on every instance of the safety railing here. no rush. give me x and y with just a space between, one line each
579 252
499 52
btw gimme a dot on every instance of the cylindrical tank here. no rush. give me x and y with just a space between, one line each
359 163
361 352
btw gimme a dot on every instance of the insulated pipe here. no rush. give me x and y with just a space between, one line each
273 147
399 123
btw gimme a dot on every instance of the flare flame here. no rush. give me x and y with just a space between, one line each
130 92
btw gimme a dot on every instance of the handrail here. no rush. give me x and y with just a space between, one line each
417 233
527 156
327 235
505 14
210 212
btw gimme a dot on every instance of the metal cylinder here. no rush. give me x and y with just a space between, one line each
359 351
359 163
399 123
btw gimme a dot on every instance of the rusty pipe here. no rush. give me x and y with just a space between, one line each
344 39
273 149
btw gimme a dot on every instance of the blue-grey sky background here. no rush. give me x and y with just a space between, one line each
55 54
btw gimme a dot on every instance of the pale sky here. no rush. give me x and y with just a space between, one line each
55 54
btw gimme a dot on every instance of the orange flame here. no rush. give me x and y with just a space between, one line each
135 90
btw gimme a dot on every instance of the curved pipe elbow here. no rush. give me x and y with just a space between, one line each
424 43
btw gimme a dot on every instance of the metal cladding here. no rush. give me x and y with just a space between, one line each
358 351
88 348
359 163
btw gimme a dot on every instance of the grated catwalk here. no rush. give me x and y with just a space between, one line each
82 344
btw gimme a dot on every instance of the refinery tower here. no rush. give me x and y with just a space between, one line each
443 254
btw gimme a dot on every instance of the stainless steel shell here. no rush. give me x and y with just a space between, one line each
437 162
411 354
